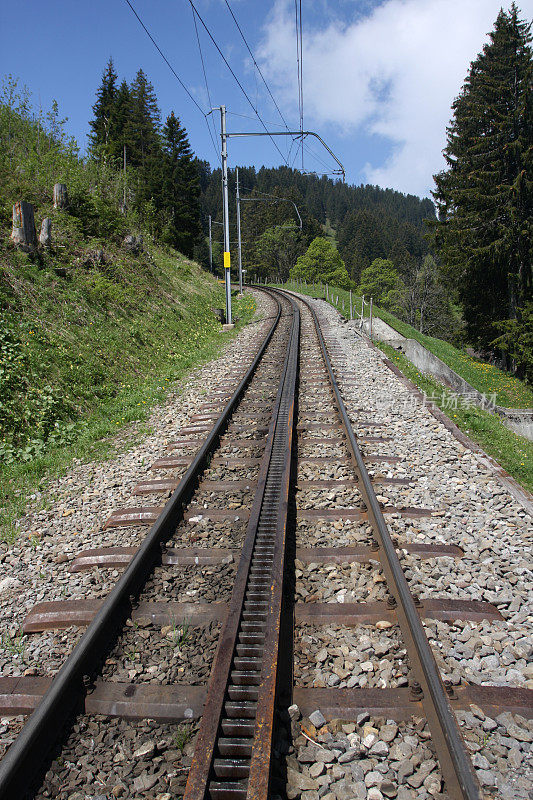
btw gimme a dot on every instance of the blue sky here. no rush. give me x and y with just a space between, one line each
379 76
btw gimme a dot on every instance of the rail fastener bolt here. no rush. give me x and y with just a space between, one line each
450 691
416 691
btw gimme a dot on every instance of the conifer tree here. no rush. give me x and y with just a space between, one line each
119 123
103 109
144 122
180 188
485 196
142 136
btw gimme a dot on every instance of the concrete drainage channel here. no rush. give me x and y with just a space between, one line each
362 709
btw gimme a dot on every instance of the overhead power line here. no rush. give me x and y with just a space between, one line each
256 64
239 84
299 67
171 68
206 84
301 134
165 59
247 116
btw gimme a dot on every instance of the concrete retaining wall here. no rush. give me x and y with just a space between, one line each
519 420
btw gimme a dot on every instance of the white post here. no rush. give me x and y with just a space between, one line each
351 305
371 317
227 257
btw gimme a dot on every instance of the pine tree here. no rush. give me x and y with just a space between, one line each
103 109
142 137
119 123
144 122
485 196
180 189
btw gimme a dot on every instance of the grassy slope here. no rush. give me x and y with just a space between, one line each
513 452
486 378
95 348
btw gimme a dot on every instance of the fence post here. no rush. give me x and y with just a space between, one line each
351 305
371 318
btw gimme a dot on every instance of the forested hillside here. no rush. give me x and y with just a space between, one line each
159 174
368 222
99 319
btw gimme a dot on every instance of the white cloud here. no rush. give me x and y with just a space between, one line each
394 73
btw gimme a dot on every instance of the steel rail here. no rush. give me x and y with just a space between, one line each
65 696
458 772
233 747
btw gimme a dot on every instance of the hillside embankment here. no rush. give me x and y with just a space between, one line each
93 332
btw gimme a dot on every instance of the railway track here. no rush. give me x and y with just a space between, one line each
278 476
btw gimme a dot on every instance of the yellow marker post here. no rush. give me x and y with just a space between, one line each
227 278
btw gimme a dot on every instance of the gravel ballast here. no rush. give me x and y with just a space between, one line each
471 508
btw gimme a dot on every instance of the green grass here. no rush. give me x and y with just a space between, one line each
109 344
513 452
486 378
182 736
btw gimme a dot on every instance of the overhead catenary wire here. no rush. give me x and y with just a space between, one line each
301 80
206 114
239 84
316 156
171 68
206 85
247 116
299 54
299 67
256 64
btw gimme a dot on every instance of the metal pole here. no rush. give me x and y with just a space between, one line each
227 257
210 247
371 317
351 305
295 133
239 231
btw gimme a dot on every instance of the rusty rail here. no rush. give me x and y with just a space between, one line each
458 772
233 747
69 687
